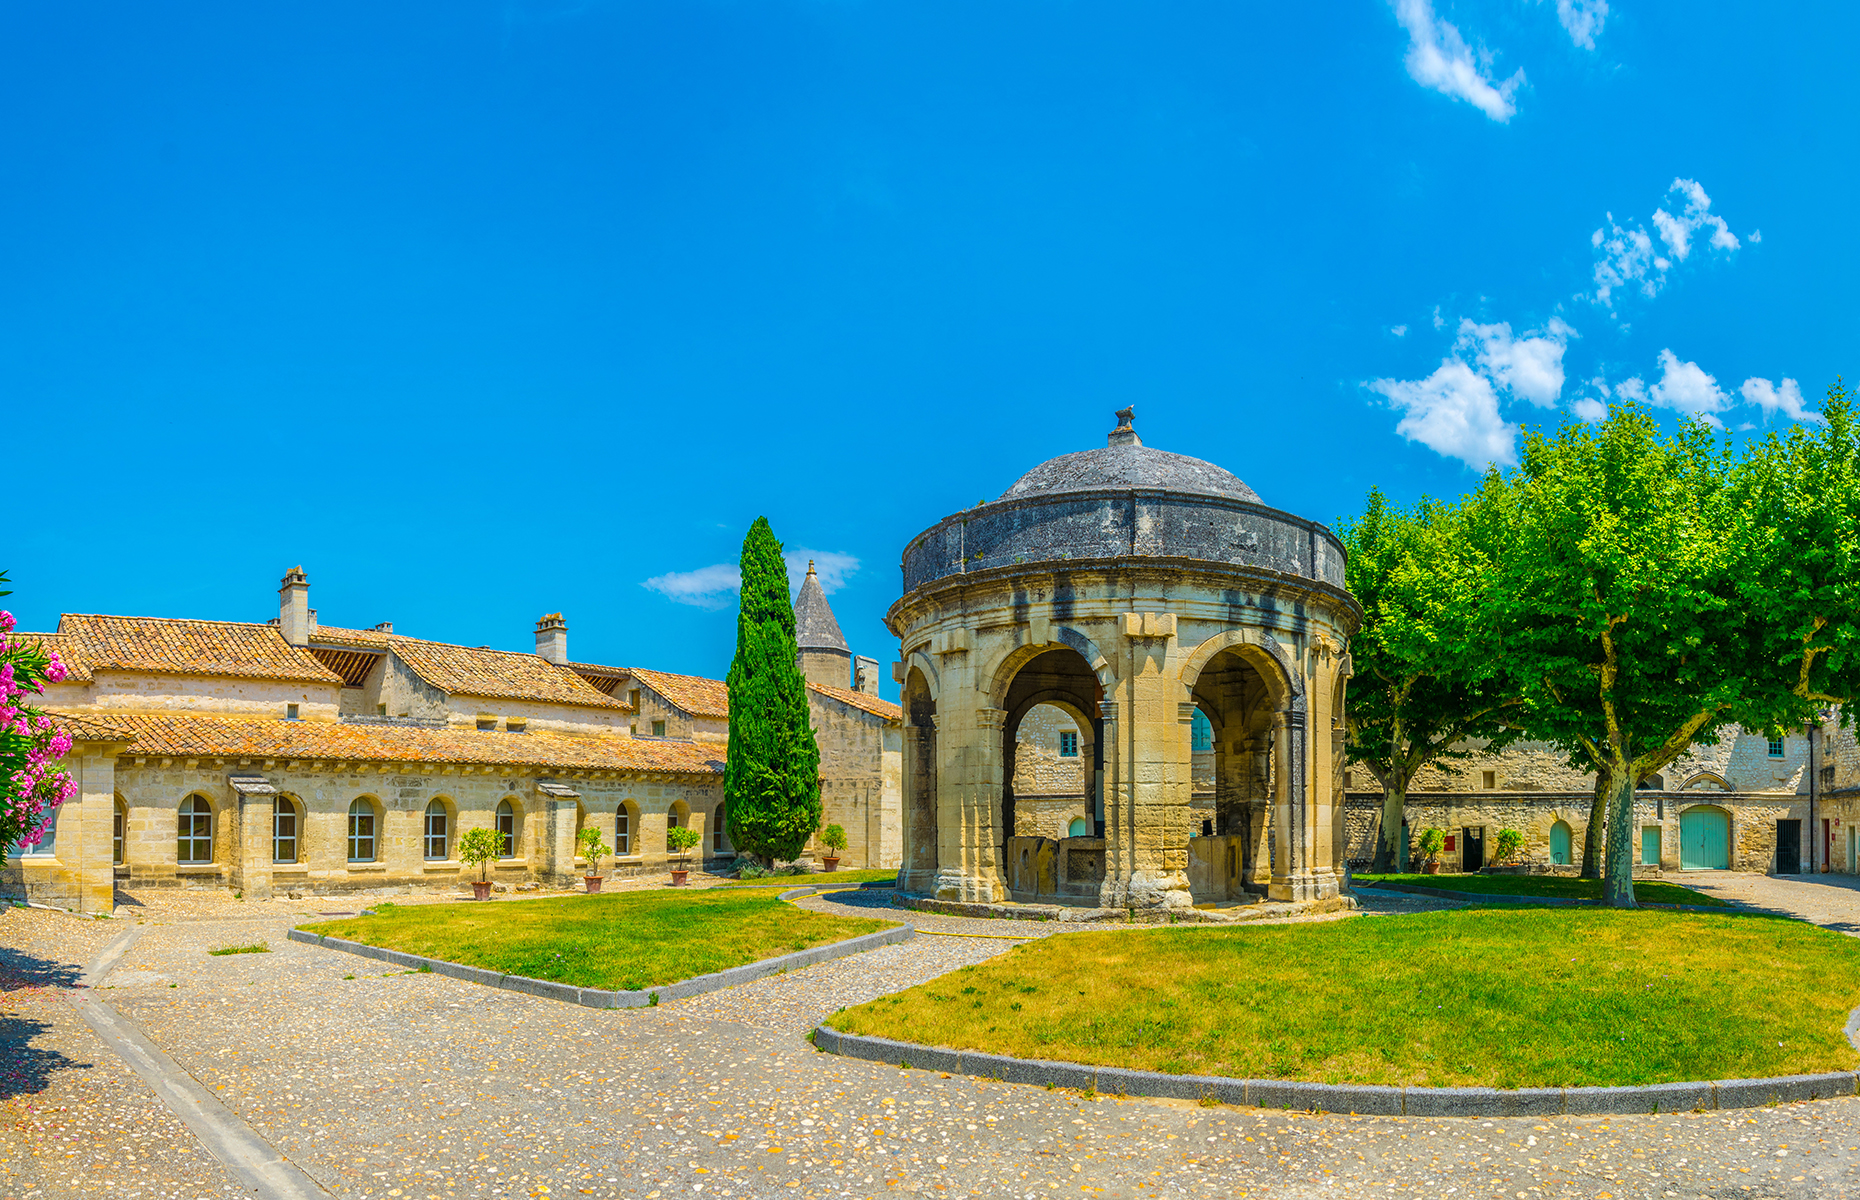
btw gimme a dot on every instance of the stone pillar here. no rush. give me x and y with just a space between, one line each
919 818
1301 836
90 854
1148 773
252 856
968 806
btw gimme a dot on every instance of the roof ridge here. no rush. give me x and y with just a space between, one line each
193 620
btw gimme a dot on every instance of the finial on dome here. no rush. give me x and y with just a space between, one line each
1124 434
810 566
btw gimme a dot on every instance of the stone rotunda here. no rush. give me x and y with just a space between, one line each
1129 588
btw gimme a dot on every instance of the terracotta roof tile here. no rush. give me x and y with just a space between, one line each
693 694
191 736
176 646
91 729
861 700
470 671
76 670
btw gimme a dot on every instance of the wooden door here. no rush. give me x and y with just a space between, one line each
1704 840
1788 847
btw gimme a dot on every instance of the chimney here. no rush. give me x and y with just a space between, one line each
295 620
552 639
865 675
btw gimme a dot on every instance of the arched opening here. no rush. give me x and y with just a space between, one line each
1078 828
920 821
508 823
1560 842
626 828
1704 839
719 838
119 832
1054 696
1653 783
286 829
363 830
436 831
1237 695
676 817
194 835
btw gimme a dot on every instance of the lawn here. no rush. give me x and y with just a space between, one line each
1647 891
1476 997
626 941
849 878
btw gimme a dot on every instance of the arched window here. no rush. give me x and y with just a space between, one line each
284 831
1653 783
361 832
436 839
680 814
118 828
1559 843
623 830
506 829
717 843
1079 827
195 844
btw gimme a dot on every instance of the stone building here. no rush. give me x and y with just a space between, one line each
293 755
1128 588
1742 804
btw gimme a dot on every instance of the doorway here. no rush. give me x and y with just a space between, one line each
1704 839
1474 854
1788 847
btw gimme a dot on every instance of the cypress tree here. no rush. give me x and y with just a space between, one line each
771 778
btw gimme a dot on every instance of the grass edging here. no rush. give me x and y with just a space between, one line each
1551 901
1365 1100
601 997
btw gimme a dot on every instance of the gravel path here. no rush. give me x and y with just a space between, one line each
381 1083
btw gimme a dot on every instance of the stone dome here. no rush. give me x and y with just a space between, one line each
1125 462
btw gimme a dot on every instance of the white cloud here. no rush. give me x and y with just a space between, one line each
714 587
1588 408
1399 330
1786 399
1582 20
1628 258
1529 367
1632 389
1453 412
1685 387
1439 58
1756 235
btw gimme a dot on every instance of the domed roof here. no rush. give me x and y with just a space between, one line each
1125 462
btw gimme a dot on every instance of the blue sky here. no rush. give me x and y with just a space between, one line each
481 311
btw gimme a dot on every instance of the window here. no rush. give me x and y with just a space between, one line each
486 724
1489 780
380 710
284 832
196 831
1068 743
658 729
118 828
1776 747
46 844
1200 734
623 832
632 699
361 832
506 829
436 831
517 725
1349 779
677 817
716 833
290 712
1079 828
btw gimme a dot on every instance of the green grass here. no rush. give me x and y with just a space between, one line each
849 878
252 948
1648 891
1506 998
626 941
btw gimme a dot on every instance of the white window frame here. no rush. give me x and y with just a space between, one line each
361 811
435 809
196 819
283 810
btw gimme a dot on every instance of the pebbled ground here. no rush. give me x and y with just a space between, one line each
381 1083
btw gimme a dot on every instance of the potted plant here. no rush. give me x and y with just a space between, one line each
678 839
593 849
833 837
1430 844
476 849
1510 841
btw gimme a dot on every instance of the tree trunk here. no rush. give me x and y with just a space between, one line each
1598 821
1388 839
1618 887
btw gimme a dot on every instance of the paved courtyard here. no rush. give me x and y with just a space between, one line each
373 1082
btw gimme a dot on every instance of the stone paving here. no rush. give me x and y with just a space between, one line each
383 1083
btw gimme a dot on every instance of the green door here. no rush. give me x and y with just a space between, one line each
1559 844
1650 846
1705 840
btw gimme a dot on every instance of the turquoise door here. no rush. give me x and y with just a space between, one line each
1559 844
1705 840
1650 846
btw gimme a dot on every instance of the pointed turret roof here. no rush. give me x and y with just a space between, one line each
814 626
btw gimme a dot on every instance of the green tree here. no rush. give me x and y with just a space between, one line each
1424 679
1617 595
771 778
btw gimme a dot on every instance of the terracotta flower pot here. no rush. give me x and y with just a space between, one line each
678 876
593 882
833 864
1431 869
480 891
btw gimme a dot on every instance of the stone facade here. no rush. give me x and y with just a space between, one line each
1129 588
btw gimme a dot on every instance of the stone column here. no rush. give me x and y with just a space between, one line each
1299 834
968 805
90 854
1255 761
1148 773
254 812
919 819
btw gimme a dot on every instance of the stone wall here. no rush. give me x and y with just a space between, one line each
861 763
1741 760
1039 769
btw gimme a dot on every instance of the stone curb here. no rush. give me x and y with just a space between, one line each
600 997
1551 901
1348 1098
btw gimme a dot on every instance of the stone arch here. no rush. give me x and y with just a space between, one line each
290 817
1056 673
1705 778
919 660
197 830
1266 655
363 835
507 819
444 837
1001 676
626 829
917 870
